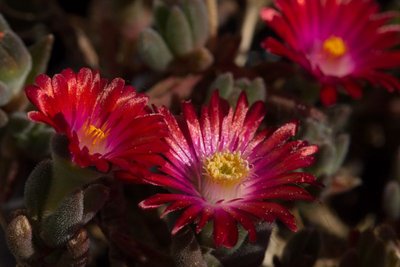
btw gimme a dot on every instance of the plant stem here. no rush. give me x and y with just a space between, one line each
248 27
212 9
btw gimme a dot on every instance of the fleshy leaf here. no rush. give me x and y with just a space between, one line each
20 238
15 64
178 34
3 24
185 249
154 51
256 91
40 53
62 224
197 15
161 14
36 189
224 84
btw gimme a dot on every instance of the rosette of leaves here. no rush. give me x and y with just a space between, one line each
179 38
60 199
333 145
18 63
40 236
230 89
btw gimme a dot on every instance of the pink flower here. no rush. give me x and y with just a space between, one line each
220 168
341 43
106 123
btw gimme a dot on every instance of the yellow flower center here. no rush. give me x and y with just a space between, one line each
93 137
334 46
226 167
95 134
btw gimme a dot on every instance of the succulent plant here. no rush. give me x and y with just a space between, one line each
180 36
230 89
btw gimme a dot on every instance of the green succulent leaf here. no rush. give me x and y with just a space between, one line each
197 15
15 62
154 51
62 224
161 14
256 91
5 93
224 84
4 24
40 53
211 260
178 34
185 250
36 189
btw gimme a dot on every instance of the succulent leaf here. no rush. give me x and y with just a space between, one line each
154 50
40 53
15 63
178 34
36 189
62 224
197 15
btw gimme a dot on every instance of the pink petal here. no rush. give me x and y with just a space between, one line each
188 216
225 229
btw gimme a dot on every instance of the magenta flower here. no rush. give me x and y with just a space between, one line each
341 43
220 168
105 123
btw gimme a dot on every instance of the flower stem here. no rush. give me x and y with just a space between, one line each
212 9
248 27
67 177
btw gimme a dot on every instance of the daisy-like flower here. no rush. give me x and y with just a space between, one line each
106 123
220 168
341 43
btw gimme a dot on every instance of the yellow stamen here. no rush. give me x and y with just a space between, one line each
335 46
226 167
95 134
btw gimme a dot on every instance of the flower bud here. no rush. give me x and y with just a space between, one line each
19 238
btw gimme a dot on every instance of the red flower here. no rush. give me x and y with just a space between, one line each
104 122
340 42
219 168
